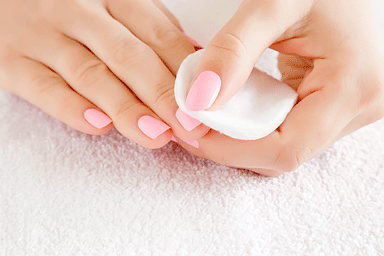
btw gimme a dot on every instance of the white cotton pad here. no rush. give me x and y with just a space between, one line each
255 111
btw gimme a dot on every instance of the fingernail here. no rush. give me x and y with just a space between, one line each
193 41
189 123
193 143
96 118
174 139
203 92
151 126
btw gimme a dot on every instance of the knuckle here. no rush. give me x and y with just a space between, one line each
128 51
229 44
372 99
166 37
45 83
90 72
164 94
291 157
302 154
126 110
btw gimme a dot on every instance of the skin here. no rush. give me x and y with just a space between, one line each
117 56
121 56
329 55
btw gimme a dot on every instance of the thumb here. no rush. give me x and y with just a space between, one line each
231 55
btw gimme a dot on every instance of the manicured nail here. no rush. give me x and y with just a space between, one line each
204 91
174 139
151 126
96 118
189 123
193 143
193 41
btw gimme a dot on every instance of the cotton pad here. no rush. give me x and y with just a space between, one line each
255 111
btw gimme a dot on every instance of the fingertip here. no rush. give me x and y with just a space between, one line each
204 91
94 131
191 143
97 118
188 122
156 143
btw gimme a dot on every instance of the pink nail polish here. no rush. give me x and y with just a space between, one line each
193 143
96 118
204 91
192 41
174 139
189 123
151 126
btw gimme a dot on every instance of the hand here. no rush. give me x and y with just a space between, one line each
329 55
92 62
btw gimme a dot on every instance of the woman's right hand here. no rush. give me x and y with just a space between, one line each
89 63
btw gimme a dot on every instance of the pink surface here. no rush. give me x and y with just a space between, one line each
204 91
188 122
151 126
97 118
173 138
193 143
193 41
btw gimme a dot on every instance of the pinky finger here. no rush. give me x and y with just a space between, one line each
48 91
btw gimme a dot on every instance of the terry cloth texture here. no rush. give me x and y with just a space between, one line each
67 193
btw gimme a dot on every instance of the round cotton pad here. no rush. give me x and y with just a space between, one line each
255 111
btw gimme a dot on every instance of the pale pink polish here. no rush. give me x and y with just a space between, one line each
204 91
193 41
151 126
189 123
97 118
193 143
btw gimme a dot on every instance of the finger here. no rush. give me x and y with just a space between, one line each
135 64
148 23
193 147
170 16
48 91
232 53
91 78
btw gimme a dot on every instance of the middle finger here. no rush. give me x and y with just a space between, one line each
134 63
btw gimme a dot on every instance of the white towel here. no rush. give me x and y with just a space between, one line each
66 193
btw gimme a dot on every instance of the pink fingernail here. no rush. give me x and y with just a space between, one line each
151 126
193 143
96 118
174 139
204 91
193 41
189 123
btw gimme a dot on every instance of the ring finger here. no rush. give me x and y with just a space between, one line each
92 79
